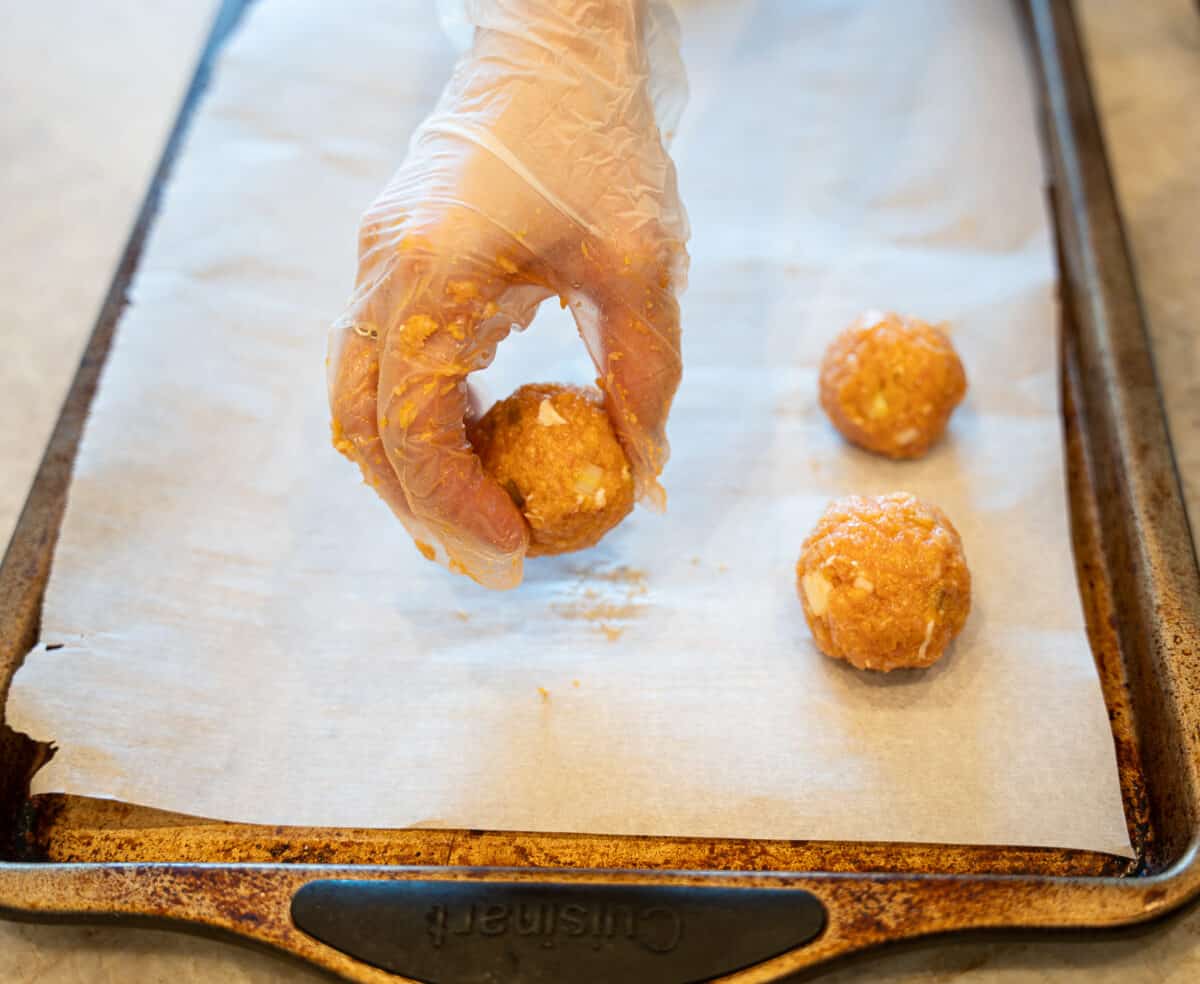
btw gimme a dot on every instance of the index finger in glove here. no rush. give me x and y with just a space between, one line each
448 318
353 381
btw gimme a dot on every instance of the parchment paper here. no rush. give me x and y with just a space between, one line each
235 628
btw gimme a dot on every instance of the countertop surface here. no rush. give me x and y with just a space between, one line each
88 89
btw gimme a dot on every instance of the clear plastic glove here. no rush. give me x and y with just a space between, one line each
542 172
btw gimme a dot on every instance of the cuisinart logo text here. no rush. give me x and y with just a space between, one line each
653 928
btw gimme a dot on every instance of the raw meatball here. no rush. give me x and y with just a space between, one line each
554 451
884 582
889 384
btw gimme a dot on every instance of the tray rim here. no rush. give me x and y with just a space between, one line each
49 889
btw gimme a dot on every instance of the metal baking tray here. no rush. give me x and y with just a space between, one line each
486 906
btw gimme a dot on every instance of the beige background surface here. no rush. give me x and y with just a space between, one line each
87 91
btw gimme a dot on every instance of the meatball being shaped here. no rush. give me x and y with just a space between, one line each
554 451
889 384
884 582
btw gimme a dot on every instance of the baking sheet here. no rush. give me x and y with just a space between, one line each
234 628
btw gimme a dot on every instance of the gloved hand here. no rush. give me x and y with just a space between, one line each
541 172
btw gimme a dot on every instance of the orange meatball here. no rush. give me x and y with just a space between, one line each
884 582
554 451
889 384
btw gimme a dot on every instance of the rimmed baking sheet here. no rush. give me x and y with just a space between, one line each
244 633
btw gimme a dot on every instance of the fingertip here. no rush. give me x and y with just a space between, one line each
483 534
501 574
493 518
498 566
653 495
492 551
497 572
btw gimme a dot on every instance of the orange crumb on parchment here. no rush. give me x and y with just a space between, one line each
607 598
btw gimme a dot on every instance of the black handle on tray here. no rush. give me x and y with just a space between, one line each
487 932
